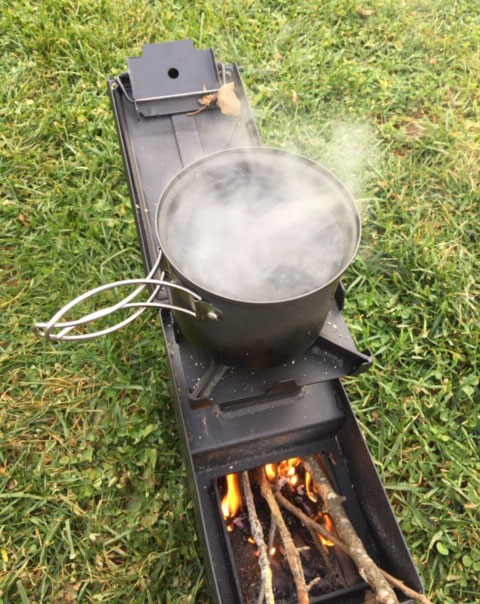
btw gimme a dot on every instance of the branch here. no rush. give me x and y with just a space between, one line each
367 568
315 527
309 522
257 532
271 537
291 552
411 593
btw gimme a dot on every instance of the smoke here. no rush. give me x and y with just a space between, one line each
258 226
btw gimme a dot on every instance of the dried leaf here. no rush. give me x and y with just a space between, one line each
295 98
23 219
207 99
227 100
278 57
364 12
414 129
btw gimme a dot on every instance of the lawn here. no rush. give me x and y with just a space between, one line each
93 503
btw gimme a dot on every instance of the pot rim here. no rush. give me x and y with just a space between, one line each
263 149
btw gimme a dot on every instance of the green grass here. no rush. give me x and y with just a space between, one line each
93 506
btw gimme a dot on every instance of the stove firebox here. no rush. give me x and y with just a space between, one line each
231 419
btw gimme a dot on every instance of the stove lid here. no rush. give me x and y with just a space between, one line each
171 77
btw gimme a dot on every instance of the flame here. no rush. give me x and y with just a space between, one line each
308 487
328 522
271 471
286 468
252 541
233 499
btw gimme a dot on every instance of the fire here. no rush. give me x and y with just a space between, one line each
285 469
271 551
233 499
308 487
328 522
271 471
291 472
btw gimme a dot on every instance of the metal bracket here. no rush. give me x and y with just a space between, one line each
170 77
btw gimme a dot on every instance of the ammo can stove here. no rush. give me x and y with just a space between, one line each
232 419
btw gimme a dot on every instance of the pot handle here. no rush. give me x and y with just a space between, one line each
200 309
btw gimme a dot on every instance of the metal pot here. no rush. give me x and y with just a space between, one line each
253 241
272 304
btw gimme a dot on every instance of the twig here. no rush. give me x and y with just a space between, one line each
315 527
307 521
313 582
202 108
257 533
291 552
319 545
411 593
271 537
368 570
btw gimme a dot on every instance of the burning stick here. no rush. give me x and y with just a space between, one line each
291 552
366 567
257 532
315 528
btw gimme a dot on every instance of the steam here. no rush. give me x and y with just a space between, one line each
350 150
351 153
258 226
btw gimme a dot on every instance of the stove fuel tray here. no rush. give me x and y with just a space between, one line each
234 419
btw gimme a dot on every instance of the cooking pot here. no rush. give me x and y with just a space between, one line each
262 236
253 241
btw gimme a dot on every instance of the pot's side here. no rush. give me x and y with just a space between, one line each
255 335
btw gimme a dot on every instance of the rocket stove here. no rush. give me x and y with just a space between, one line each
232 419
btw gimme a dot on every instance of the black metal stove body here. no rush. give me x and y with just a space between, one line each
232 419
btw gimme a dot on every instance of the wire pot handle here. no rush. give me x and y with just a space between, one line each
200 309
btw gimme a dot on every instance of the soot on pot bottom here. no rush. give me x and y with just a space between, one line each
329 571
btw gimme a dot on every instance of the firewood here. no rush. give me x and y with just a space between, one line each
257 533
291 552
271 537
315 527
367 568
